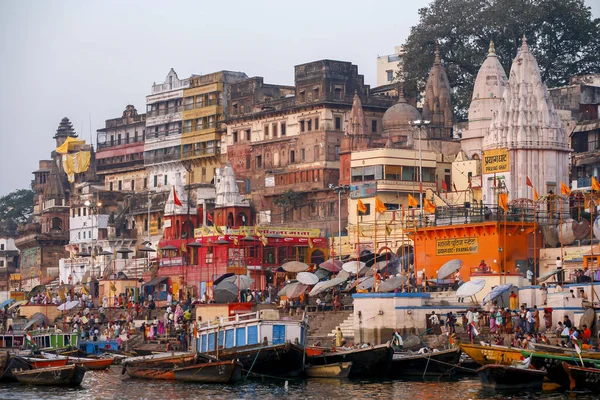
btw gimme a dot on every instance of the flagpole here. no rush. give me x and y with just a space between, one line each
375 247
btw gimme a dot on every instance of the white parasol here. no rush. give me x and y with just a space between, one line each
69 305
391 284
496 292
548 275
294 266
353 267
243 282
470 288
366 283
449 268
307 278
331 265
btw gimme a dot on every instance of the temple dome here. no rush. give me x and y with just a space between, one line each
399 115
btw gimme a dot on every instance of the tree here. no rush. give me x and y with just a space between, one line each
561 34
17 206
288 199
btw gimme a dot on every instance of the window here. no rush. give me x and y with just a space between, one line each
302 155
368 212
338 123
145 183
408 173
1 246
258 162
283 129
316 94
155 180
393 172
235 108
292 156
2 263
145 224
248 162
316 124
374 126
84 212
132 184
316 152
120 185
392 206
235 136
301 96
338 93
159 223
166 176
390 75
309 125
337 152
110 186
84 234
301 126
331 208
79 212
266 130
248 134
274 129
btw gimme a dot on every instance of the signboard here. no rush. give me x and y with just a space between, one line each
249 230
363 190
269 181
495 161
450 247
171 261
154 227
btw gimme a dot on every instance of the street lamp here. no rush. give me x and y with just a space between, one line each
339 190
420 123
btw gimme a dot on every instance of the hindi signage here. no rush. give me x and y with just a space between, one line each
495 161
363 190
449 247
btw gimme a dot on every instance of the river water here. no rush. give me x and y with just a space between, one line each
112 385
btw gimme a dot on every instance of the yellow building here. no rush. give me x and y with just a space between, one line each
203 109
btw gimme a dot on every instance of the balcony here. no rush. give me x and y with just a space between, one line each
105 168
163 111
161 134
120 142
201 152
161 158
585 182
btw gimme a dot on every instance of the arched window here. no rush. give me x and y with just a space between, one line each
317 257
230 220
56 224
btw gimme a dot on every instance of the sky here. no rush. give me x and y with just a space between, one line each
86 60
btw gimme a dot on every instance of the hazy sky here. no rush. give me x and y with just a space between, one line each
80 58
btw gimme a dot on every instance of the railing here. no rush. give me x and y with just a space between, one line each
162 158
119 142
119 164
163 111
159 134
201 152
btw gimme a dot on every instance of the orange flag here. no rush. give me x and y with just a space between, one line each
412 202
535 195
528 182
175 198
564 189
379 206
428 206
503 201
361 207
595 185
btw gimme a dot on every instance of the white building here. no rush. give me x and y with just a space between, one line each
388 66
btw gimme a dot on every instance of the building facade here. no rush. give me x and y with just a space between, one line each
389 66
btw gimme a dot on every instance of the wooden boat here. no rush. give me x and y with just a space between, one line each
553 364
14 363
90 364
496 376
335 370
546 348
37 362
212 372
69 375
280 360
434 363
582 377
159 366
492 354
374 361
317 350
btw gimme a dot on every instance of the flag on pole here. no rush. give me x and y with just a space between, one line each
218 230
412 202
361 207
535 195
388 229
183 248
428 206
564 189
379 206
595 185
528 182
503 201
256 231
264 240
444 186
360 232
236 242
175 198
310 243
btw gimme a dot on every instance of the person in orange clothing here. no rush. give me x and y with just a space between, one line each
513 301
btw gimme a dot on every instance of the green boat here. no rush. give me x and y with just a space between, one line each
552 363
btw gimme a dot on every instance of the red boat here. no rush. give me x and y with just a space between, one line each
159 366
44 362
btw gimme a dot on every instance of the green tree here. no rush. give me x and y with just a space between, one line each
17 206
288 199
562 35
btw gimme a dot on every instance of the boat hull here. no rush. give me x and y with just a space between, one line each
215 372
484 355
282 360
45 363
503 377
335 370
582 378
369 362
553 364
429 364
158 369
69 375
14 364
91 364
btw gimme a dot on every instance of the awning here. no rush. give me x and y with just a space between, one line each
156 281
6 302
586 127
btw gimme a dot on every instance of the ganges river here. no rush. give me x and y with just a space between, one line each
112 385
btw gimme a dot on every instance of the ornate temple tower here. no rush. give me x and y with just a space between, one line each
487 95
65 130
355 138
528 126
437 106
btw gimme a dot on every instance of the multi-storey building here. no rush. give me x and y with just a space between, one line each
162 148
389 66
204 107
284 142
120 152
9 256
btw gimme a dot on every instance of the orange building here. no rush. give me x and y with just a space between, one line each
503 245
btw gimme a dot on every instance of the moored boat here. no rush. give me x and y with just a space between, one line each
211 372
496 376
374 361
547 348
492 354
158 367
335 370
14 363
582 377
553 364
37 362
68 375
90 364
430 363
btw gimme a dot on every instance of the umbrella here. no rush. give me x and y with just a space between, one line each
343 275
496 292
322 273
470 288
294 266
68 305
353 266
297 291
366 283
449 268
6 303
124 250
243 282
334 282
226 292
547 275
168 247
392 283
366 255
36 290
83 254
105 253
331 265
222 278
37 318
318 288
365 271
17 304
383 258
195 244
307 278
147 249
289 288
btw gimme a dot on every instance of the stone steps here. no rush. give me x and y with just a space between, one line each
347 327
